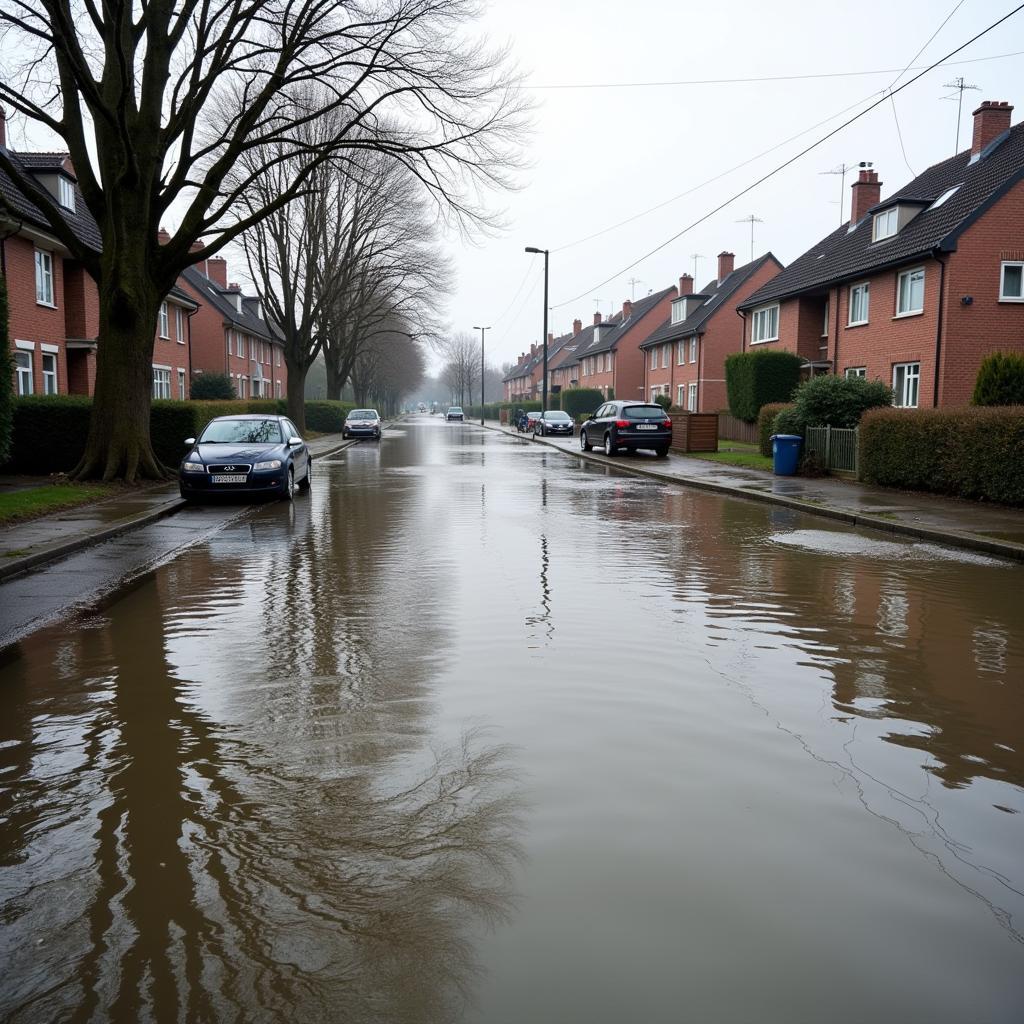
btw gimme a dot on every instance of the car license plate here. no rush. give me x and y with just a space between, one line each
230 478
646 426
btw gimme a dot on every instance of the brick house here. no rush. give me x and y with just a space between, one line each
685 357
524 381
230 334
564 371
916 289
53 303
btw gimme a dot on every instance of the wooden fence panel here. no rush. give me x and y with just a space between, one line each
695 431
732 429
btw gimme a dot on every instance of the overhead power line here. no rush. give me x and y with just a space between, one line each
791 160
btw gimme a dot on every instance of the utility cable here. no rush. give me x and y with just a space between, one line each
791 160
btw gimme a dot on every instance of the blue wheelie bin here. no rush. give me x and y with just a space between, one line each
785 453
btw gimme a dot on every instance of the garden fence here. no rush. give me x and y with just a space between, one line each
835 447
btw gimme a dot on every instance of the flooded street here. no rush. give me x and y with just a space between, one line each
479 733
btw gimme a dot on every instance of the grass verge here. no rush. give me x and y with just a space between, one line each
751 459
17 506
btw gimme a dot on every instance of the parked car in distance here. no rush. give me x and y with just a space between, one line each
362 423
455 413
254 456
553 422
623 425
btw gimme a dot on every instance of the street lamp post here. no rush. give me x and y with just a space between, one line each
544 390
481 330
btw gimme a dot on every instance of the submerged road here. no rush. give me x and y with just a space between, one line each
477 732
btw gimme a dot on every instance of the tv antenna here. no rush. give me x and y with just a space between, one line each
695 256
961 87
751 220
841 171
633 282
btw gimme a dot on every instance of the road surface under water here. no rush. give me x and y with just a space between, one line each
479 733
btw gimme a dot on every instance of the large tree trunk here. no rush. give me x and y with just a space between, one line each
296 392
118 445
335 377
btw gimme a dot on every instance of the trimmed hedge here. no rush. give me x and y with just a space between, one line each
207 387
579 400
6 378
753 379
766 425
1000 380
968 452
50 431
829 400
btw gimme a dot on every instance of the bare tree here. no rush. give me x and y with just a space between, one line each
461 371
386 370
159 102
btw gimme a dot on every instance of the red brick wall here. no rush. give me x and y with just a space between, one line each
209 350
81 302
172 352
630 374
986 325
661 377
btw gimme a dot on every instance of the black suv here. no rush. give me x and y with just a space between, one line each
630 425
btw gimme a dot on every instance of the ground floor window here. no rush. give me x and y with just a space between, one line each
691 402
23 365
49 373
906 383
277 389
856 371
243 387
655 392
161 382
680 394
181 385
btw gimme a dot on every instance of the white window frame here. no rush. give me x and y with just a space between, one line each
824 323
693 349
24 375
66 193
904 279
608 362
161 381
678 311
181 384
865 288
1003 297
680 395
655 391
49 376
179 325
654 358
44 279
856 371
681 352
911 380
885 224
691 396
277 389
164 323
666 356
762 328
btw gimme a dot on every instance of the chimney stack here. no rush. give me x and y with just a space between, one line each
991 119
867 192
726 263
627 309
577 326
597 318
686 285
551 339
217 270
533 350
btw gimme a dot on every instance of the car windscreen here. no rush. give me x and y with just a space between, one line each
242 432
363 414
556 414
643 412
455 408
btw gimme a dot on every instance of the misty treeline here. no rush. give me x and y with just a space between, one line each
285 126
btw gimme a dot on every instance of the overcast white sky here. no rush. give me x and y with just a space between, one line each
602 155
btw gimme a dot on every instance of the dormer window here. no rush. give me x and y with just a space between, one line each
885 224
66 193
678 311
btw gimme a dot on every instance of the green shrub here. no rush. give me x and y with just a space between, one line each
787 421
1000 380
327 417
6 379
968 452
207 386
49 433
753 379
578 400
664 401
832 401
766 425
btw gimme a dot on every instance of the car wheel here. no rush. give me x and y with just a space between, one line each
307 480
609 448
583 441
661 452
288 488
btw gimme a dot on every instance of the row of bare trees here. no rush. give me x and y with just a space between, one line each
225 114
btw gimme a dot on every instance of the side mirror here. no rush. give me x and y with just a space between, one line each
294 441
190 440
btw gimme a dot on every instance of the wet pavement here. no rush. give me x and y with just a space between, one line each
477 732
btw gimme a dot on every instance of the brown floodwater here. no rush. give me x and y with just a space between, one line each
476 732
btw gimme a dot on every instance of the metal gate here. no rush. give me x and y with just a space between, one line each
836 447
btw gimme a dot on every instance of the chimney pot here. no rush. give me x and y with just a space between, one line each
597 318
686 285
234 287
726 263
577 326
991 119
867 192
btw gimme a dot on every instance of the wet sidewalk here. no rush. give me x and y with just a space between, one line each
969 524
23 546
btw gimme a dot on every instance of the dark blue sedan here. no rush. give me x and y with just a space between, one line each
246 456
